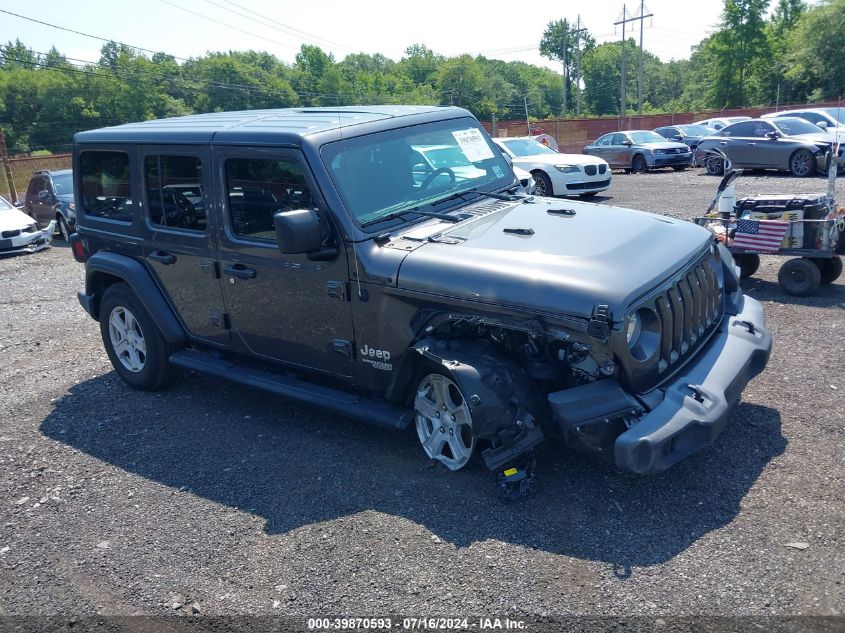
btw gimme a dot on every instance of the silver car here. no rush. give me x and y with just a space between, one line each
640 150
785 144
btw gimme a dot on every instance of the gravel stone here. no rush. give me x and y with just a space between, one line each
246 503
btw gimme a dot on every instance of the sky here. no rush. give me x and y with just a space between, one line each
509 31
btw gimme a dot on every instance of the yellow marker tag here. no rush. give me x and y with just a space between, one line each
510 471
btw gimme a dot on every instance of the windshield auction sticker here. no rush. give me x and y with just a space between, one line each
473 145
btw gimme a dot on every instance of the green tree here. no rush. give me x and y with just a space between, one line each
815 60
560 42
739 46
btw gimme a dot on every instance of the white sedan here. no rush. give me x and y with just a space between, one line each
557 174
18 233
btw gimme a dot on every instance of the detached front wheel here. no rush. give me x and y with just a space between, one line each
444 421
136 347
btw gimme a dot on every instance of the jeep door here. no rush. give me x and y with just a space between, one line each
289 308
179 237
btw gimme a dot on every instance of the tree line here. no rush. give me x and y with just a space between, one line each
793 56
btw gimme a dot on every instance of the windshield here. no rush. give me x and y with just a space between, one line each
646 137
63 184
527 147
696 130
836 113
796 127
4 204
411 168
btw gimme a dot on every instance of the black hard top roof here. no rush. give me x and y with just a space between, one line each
282 126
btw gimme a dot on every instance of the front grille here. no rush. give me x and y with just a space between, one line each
590 170
602 169
689 310
578 186
13 233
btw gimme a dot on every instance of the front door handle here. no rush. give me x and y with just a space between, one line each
162 257
752 144
239 271
723 142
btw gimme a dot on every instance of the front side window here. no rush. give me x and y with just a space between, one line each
381 175
174 192
258 188
795 127
105 183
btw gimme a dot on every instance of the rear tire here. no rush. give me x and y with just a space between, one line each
829 269
799 277
802 164
136 348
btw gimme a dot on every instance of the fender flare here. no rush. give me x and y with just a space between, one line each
139 279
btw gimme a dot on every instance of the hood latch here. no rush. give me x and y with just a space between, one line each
600 322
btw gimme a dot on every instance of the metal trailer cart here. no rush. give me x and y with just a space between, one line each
814 244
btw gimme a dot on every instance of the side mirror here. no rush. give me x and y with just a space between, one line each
627 143
773 135
677 137
822 125
297 231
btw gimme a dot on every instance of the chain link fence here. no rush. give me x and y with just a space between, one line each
21 170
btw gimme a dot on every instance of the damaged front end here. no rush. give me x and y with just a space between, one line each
26 240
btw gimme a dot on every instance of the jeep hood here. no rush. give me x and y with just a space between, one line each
524 255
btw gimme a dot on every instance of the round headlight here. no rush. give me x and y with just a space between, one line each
643 333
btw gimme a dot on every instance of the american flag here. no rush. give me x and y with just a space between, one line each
765 236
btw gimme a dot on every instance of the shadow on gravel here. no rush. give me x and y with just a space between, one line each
295 467
827 296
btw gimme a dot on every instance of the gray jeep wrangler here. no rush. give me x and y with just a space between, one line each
316 254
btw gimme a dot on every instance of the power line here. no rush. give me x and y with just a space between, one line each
96 37
289 29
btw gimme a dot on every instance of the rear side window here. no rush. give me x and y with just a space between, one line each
174 192
258 188
105 185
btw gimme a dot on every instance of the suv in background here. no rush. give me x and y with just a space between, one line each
330 268
49 197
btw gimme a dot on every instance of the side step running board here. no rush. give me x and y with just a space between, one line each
350 405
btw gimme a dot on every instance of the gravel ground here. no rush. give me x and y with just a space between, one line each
211 498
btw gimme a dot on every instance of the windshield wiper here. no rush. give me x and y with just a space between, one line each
489 194
399 214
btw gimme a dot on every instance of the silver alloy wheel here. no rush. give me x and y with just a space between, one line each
801 163
127 339
540 188
444 421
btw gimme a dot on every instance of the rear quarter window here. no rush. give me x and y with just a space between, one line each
105 190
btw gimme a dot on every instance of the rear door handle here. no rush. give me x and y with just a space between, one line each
723 142
752 144
162 257
239 271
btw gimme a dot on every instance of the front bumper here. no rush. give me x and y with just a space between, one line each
670 160
688 419
28 242
680 417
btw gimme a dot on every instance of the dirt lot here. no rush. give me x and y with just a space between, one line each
213 498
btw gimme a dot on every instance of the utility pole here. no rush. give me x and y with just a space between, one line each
527 120
578 31
623 20
641 18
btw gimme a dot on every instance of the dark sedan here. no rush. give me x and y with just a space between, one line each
690 134
640 150
785 144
